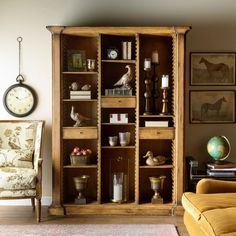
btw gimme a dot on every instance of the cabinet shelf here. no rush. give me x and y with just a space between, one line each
79 72
80 100
156 116
120 61
157 167
119 124
80 167
118 147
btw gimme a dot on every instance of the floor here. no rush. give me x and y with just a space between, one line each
25 215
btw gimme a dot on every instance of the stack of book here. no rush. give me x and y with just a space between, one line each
126 50
156 123
80 94
223 170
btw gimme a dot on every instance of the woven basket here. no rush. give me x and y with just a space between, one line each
79 160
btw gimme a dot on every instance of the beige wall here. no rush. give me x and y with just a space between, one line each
213 30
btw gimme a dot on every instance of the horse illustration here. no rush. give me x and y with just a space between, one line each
213 68
212 106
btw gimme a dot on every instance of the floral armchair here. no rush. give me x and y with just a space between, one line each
21 162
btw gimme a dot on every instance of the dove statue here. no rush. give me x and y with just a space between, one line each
77 117
125 79
154 161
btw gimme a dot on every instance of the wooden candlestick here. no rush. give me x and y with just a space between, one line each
164 110
147 95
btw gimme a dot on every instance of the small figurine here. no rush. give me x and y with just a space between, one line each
74 86
154 161
78 118
125 79
86 87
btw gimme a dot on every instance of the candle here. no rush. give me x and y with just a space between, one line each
117 192
155 57
165 81
147 63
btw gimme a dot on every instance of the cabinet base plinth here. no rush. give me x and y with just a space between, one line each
117 209
157 201
56 210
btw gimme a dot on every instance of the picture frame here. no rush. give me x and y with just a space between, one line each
214 106
76 60
212 68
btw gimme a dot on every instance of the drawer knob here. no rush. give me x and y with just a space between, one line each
158 132
119 101
81 132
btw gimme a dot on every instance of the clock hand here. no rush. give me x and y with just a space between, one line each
24 97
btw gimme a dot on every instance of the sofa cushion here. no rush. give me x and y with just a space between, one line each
219 221
12 178
16 158
196 204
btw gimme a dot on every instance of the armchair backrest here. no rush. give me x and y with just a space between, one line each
22 135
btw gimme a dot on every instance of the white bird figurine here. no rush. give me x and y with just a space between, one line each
77 117
154 161
125 79
86 87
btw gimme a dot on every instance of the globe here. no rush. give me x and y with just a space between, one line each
218 148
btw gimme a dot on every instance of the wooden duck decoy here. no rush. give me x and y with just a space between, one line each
154 161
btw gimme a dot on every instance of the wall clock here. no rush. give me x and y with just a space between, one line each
19 99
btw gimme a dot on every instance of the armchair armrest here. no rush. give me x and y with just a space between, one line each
39 169
215 186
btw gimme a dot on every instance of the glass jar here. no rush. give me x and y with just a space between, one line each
119 187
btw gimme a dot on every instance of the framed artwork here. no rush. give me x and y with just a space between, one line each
76 60
212 106
212 68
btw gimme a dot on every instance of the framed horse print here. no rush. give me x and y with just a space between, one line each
215 68
212 106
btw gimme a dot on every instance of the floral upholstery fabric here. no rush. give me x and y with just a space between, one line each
17 135
16 158
12 178
20 152
17 193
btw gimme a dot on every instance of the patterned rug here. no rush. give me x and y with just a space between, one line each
89 230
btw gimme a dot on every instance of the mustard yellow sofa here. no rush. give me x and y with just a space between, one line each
212 209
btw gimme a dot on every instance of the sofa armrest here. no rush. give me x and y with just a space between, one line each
215 186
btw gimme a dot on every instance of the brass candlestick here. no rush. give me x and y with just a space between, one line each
155 80
164 110
157 187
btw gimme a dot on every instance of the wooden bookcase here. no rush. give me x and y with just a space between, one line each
168 141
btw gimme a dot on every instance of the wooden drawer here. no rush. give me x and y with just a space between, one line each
80 133
156 133
118 102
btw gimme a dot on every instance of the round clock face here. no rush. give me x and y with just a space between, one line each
112 53
19 100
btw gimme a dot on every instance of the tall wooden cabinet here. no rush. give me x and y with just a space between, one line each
94 42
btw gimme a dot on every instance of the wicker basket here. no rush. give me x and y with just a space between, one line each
79 160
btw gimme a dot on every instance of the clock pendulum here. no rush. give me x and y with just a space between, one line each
19 99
